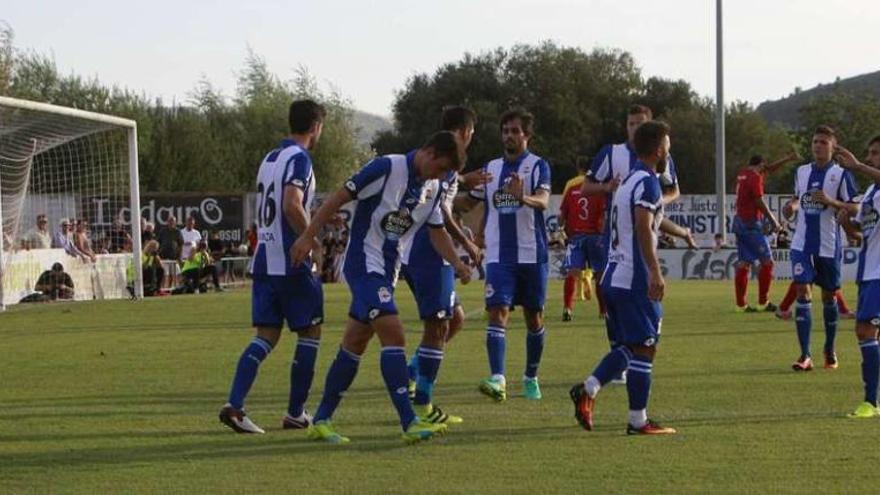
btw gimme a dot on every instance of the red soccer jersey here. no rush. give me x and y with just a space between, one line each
582 214
749 187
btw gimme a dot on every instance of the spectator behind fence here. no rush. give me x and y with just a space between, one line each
82 241
63 239
170 240
191 238
38 237
148 233
55 283
151 268
198 267
120 239
251 238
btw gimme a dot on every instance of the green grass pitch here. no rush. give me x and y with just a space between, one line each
122 397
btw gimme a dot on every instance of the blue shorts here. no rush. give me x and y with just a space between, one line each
516 284
585 250
810 269
433 289
751 243
298 298
372 296
869 303
634 319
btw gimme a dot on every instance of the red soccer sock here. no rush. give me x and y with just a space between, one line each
568 291
789 298
841 303
741 283
765 277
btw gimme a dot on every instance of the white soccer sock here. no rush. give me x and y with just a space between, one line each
592 386
638 418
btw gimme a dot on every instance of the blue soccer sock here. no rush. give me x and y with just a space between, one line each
429 360
339 378
246 372
831 315
496 346
870 369
612 365
638 383
412 368
534 349
302 371
803 317
393 364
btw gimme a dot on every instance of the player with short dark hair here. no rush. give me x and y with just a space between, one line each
633 285
748 226
283 290
819 187
395 195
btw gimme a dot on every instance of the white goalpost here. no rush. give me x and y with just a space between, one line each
69 194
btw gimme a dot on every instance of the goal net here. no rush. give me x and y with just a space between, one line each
68 187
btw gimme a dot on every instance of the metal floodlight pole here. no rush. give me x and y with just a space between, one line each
720 169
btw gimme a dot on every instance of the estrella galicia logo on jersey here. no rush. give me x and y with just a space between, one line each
810 205
351 186
396 223
490 291
870 216
384 295
505 203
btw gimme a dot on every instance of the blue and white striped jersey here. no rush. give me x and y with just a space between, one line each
389 194
626 265
419 244
618 160
284 166
867 217
514 233
816 231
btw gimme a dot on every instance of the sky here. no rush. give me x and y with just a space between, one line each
367 49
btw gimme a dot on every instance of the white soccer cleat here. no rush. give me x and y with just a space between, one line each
237 420
301 422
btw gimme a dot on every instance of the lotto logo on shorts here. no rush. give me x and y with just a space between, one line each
490 291
441 314
373 314
298 183
798 269
875 322
649 342
384 294
351 186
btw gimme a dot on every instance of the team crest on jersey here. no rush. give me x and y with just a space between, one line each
490 291
809 203
396 223
798 269
384 294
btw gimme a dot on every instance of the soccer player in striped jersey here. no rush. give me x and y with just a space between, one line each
390 192
865 226
514 234
582 217
282 290
819 188
633 285
423 267
748 225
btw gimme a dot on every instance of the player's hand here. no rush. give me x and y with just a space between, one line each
515 186
463 271
612 185
480 240
842 216
656 286
788 210
302 248
474 252
845 158
774 225
689 239
821 197
476 178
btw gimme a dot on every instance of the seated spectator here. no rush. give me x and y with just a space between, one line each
63 239
55 283
38 237
783 240
120 239
718 242
82 241
198 267
151 268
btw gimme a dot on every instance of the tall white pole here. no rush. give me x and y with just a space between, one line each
2 252
135 205
720 169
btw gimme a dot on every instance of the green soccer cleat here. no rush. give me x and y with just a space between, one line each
531 389
323 431
411 389
432 414
419 431
495 389
866 410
